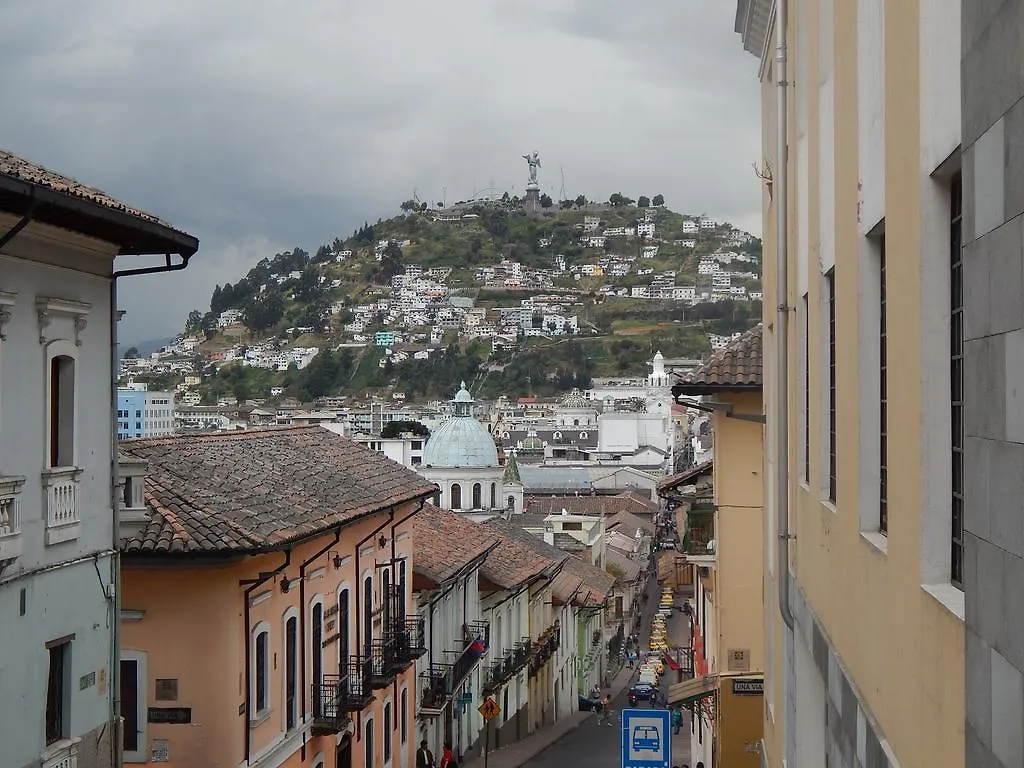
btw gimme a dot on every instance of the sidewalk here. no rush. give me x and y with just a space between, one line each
520 752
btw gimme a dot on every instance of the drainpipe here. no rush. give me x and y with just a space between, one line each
23 222
115 561
302 626
782 312
250 586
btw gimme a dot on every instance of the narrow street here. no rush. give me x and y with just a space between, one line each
596 745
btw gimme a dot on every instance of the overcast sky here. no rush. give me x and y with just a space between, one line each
259 125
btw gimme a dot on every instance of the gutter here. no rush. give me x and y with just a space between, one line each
782 312
250 586
23 222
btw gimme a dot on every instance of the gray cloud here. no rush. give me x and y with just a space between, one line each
258 125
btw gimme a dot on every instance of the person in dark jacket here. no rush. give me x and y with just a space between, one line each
424 757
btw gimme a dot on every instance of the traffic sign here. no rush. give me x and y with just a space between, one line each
646 738
489 709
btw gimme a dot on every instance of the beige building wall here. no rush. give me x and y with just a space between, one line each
878 646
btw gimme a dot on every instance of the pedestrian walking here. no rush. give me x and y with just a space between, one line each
677 720
607 704
424 757
447 758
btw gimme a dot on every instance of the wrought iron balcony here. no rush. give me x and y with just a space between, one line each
410 640
436 689
337 695
382 662
545 647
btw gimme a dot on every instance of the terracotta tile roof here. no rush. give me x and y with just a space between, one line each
19 168
627 522
445 542
254 490
68 206
596 583
689 477
633 503
738 366
511 563
630 568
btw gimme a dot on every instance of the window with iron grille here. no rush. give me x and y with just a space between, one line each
830 280
883 398
807 388
956 381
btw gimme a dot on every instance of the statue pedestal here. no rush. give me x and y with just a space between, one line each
531 203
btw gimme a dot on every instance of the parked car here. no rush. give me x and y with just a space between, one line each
588 705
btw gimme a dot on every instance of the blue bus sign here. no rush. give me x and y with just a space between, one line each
646 738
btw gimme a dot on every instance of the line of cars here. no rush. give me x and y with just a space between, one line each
651 665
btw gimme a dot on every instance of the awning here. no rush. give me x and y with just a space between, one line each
689 691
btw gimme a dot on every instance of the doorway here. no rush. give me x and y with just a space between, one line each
343 755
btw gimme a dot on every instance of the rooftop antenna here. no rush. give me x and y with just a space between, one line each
561 192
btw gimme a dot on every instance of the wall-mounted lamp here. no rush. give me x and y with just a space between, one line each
286 584
337 560
382 541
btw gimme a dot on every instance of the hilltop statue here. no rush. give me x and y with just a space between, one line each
533 160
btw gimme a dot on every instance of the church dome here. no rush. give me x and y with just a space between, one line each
575 399
462 441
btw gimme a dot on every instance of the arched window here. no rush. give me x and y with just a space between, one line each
385 590
456 496
387 732
291 672
316 650
61 385
368 743
557 435
477 496
494 495
511 503
344 643
576 422
261 669
583 435
367 615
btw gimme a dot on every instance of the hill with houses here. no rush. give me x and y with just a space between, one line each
517 304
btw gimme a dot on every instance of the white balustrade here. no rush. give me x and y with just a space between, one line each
61 497
66 757
10 522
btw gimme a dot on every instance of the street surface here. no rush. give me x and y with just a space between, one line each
598 746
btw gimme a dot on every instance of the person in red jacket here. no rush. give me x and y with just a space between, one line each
447 758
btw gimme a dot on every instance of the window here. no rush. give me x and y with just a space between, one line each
956 381
807 388
57 691
510 502
883 398
134 705
830 283
387 732
494 494
316 642
403 716
261 700
127 493
368 744
62 411
478 501
456 496
385 591
291 669
572 526
367 615
344 646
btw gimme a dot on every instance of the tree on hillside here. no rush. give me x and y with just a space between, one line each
546 201
263 312
658 201
193 321
581 201
643 202
131 353
396 428
391 263
618 199
323 253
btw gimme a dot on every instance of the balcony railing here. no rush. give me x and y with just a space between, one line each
61 497
436 688
545 647
66 757
410 640
382 661
503 669
337 695
10 520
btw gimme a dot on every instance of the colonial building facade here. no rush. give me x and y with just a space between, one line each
58 567
865 563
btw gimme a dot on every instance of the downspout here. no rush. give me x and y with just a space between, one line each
117 757
782 311
23 222
302 626
252 585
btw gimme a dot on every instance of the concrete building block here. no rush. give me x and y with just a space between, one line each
977 266
1014 385
975 19
989 187
1006 278
977 471
972 607
984 388
978 688
1013 608
991 625
977 754
1007 711
1006 497
1014 174
992 83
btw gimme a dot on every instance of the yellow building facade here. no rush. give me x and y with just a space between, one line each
864 636
726 693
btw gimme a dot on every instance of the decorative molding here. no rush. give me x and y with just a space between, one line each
7 299
46 307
